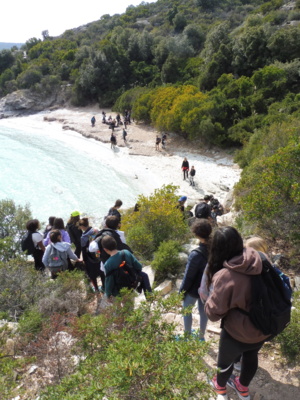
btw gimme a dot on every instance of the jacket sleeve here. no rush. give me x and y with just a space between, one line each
71 255
65 237
134 262
196 261
219 301
45 258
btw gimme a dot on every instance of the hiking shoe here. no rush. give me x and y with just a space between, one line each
242 391
220 390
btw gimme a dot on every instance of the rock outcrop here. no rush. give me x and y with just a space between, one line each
23 102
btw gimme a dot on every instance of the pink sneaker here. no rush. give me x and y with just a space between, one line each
221 391
242 391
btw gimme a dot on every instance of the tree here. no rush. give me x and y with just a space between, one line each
6 60
45 34
13 219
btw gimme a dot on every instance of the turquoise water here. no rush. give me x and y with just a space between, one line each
58 171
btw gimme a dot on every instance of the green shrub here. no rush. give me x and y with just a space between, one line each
132 354
157 220
30 322
289 339
166 259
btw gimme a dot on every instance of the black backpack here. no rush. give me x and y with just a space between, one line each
27 243
202 210
270 310
125 276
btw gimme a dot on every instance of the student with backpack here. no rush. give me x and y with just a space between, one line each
32 243
57 253
91 260
193 275
203 209
230 272
115 279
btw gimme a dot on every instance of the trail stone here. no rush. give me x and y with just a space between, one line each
164 287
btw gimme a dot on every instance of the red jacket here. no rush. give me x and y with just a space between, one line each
232 289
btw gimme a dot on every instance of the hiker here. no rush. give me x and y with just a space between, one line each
157 142
192 175
181 202
58 224
124 135
118 119
115 209
91 261
38 247
163 141
193 274
112 264
214 214
103 117
49 226
215 202
74 231
93 121
57 254
113 141
230 268
203 209
185 168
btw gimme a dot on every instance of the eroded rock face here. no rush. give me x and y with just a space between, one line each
24 101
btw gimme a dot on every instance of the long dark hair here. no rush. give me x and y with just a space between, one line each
226 243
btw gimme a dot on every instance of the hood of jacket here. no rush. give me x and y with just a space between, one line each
248 263
61 246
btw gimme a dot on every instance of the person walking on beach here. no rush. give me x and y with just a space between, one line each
185 168
163 141
157 142
113 141
192 174
93 121
124 134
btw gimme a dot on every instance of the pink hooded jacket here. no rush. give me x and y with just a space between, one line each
231 290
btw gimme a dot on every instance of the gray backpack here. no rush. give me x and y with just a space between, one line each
55 260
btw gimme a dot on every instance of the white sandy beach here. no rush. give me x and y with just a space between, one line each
215 171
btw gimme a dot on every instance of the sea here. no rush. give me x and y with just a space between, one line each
59 171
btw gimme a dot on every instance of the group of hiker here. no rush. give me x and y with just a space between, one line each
220 276
52 249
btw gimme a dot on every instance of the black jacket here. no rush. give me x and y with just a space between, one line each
194 270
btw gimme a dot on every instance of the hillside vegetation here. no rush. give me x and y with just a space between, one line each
217 72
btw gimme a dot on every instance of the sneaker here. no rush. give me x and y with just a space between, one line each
242 391
221 391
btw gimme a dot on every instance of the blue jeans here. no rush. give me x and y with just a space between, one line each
188 318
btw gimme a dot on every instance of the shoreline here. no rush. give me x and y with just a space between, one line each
216 172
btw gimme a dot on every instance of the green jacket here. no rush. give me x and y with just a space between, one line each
113 263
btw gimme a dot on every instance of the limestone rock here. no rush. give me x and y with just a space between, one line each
183 258
178 283
164 287
10 347
151 273
24 101
228 201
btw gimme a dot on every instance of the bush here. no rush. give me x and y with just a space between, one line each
289 339
157 220
166 259
131 353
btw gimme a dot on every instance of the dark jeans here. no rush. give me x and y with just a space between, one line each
229 351
37 256
145 284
